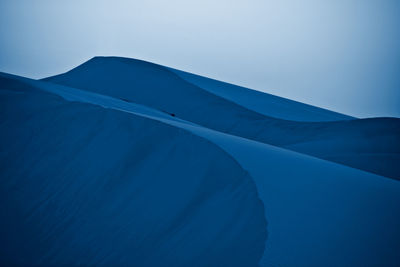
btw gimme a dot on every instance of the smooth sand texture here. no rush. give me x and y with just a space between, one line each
91 176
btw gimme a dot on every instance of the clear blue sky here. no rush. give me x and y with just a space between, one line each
343 55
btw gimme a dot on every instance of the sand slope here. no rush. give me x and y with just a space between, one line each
372 145
88 185
96 178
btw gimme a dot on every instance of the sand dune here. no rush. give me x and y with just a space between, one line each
84 184
124 162
263 103
342 140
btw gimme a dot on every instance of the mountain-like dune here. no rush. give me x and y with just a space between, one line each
372 145
125 162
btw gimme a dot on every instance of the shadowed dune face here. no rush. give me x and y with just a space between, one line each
105 187
263 103
369 144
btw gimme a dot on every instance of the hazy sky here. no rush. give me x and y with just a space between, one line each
343 55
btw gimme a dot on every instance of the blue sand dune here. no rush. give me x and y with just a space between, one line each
372 145
123 162
88 185
263 103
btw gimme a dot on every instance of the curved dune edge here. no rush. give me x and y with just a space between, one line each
77 171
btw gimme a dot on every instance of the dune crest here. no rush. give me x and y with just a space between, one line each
371 145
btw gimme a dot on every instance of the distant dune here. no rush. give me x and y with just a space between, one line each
372 145
125 162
